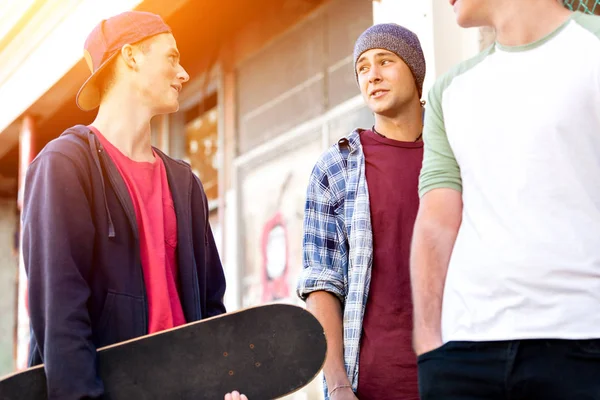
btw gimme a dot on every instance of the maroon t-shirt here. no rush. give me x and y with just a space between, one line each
387 363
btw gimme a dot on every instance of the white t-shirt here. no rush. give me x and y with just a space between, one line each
517 130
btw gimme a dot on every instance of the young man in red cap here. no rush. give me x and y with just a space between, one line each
116 238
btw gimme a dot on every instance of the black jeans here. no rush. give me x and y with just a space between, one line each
512 370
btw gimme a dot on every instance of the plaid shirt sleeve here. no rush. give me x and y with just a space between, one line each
324 244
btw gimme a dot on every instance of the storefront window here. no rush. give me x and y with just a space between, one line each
201 145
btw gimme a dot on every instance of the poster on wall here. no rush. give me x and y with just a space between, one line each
273 194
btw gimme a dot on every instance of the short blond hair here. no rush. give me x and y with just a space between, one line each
106 78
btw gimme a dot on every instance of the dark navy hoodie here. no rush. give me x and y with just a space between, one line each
82 258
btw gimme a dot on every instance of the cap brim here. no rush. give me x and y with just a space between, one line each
88 97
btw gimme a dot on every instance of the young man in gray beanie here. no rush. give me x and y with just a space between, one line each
360 210
506 256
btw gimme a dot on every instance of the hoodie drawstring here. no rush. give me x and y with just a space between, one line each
95 152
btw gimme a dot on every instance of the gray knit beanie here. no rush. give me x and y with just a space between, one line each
397 39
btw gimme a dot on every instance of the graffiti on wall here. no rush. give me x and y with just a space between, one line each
272 204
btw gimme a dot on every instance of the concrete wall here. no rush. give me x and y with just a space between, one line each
243 46
444 43
8 279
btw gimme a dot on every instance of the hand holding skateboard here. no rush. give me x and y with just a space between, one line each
235 396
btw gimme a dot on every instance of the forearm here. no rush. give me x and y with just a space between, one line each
433 241
61 324
327 309
63 333
429 265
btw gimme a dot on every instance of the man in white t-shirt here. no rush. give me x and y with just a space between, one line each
505 263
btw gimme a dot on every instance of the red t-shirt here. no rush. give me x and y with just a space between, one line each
157 226
387 363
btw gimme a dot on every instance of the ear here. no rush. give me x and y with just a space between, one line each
128 54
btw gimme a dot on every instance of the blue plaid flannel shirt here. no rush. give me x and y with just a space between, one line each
338 240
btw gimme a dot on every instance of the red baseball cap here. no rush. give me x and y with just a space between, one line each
105 42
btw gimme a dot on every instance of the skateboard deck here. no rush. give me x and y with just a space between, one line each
265 352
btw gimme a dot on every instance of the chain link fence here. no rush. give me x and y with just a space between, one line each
586 6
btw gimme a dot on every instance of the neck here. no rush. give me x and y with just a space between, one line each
126 126
404 127
522 22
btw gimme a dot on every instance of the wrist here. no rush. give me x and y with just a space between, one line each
340 388
426 332
423 345
337 378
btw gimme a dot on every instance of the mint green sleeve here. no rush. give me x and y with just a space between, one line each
589 22
592 24
440 169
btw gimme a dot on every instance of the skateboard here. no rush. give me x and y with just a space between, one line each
265 352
